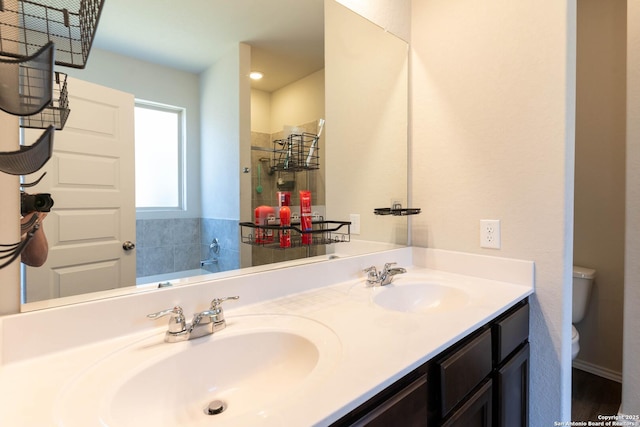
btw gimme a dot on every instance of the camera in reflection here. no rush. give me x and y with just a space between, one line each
40 202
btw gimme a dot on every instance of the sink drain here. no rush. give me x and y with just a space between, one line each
215 407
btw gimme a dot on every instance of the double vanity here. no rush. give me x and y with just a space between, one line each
307 345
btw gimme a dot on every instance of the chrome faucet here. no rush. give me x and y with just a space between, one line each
384 277
204 323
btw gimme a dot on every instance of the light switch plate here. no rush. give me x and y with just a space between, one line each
355 223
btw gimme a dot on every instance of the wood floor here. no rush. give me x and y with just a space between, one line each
592 395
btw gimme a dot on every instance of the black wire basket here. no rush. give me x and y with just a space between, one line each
32 79
398 211
56 113
298 152
28 159
322 233
26 26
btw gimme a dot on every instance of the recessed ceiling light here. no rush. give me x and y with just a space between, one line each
256 75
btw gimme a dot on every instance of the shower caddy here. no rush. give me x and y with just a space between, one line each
35 35
298 152
322 233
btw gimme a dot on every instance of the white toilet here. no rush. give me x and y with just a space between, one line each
582 283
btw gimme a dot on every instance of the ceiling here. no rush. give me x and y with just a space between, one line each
286 36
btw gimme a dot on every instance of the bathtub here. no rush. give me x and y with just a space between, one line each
173 278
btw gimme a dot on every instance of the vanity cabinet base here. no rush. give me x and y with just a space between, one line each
481 381
403 404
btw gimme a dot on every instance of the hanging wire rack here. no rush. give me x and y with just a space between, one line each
397 211
298 152
9 253
323 232
57 112
32 78
28 159
26 26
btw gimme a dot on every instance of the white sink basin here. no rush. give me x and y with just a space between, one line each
420 297
254 362
413 294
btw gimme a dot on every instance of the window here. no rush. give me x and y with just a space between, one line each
159 148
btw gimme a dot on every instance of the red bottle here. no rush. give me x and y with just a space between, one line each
264 215
284 198
305 216
285 221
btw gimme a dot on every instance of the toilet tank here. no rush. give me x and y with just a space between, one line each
582 283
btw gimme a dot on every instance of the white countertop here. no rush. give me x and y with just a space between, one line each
378 347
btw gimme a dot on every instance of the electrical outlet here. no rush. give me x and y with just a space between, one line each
490 233
355 223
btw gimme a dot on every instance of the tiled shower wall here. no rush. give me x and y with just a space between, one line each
228 234
170 245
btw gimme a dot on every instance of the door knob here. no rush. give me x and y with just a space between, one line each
128 245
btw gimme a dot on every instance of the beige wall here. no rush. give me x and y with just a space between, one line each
493 137
366 72
260 111
300 102
631 367
9 208
225 134
600 179
392 15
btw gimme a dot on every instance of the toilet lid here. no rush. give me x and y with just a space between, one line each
574 332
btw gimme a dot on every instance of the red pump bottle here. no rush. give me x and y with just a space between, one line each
285 221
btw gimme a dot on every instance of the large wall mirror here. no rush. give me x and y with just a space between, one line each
330 64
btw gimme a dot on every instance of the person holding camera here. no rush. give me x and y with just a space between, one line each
34 210
37 250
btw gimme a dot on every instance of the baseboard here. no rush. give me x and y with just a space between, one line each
598 370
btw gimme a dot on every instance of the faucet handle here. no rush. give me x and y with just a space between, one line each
216 308
372 275
372 271
217 302
177 322
388 265
177 310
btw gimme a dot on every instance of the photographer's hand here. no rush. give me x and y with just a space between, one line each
36 252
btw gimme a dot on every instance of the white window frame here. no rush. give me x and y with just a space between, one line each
182 179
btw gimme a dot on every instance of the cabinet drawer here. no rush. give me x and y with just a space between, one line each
408 407
510 331
476 411
464 370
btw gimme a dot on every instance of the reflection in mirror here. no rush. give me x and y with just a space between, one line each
230 127
367 116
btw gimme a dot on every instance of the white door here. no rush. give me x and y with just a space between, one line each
91 180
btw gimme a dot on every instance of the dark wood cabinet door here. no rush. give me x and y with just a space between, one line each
407 408
512 391
476 411
510 331
463 370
